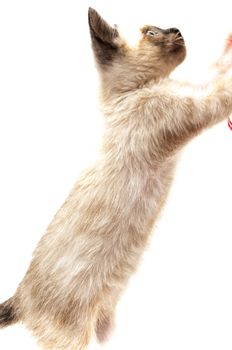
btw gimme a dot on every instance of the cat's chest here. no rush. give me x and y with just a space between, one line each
151 189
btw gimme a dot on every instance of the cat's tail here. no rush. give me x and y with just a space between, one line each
8 313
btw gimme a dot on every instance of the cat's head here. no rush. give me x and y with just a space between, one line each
157 53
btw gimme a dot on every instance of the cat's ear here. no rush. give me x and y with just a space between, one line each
106 41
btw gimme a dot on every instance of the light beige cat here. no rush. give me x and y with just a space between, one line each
83 262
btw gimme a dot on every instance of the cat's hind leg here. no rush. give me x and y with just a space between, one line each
105 323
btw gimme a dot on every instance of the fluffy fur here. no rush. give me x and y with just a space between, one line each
83 262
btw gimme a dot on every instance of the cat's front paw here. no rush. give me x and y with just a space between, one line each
227 58
224 63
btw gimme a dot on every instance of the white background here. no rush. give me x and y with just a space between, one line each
50 127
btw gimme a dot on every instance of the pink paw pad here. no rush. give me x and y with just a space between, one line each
229 40
228 45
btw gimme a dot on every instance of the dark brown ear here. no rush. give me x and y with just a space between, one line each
104 38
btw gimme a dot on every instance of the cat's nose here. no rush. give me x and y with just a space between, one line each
174 31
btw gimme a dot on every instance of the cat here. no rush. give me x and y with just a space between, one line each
94 243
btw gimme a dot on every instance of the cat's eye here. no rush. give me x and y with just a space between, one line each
152 33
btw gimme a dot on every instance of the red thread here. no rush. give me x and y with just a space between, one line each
230 123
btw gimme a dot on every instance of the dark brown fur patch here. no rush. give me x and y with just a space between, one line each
103 38
7 314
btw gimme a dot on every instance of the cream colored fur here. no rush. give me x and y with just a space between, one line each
89 251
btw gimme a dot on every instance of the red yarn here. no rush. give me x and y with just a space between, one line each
230 123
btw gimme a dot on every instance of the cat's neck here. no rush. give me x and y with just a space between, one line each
122 84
